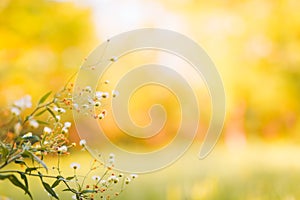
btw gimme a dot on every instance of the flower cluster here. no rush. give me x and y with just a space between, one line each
26 139
110 184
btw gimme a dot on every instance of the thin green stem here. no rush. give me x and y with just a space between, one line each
37 175
107 170
37 109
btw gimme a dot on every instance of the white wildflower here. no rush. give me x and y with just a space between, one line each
114 58
127 180
103 182
24 102
75 165
62 149
105 95
97 104
96 178
59 110
33 123
98 95
114 93
47 130
101 116
57 118
82 143
67 124
88 89
15 111
133 176
111 159
64 130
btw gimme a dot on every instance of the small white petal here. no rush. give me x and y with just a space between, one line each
67 124
47 130
82 142
75 165
15 111
33 123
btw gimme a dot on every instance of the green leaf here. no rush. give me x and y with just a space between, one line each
32 139
48 187
42 122
34 157
56 183
37 159
2 177
21 162
50 190
15 181
87 191
27 154
4 150
44 98
30 169
24 177
70 178
40 113
69 190
52 113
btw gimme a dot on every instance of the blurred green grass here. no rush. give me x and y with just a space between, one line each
257 172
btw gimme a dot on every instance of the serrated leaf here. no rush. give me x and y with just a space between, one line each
49 190
44 98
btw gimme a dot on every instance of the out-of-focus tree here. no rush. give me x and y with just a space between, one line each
256 47
42 43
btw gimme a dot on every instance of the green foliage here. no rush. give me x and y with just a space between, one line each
15 181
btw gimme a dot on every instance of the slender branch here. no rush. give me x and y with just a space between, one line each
37 175
37 109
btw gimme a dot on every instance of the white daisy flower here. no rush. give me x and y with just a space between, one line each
59 110
96 178
82 143
75 165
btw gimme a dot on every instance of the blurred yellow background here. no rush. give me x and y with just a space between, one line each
255 46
